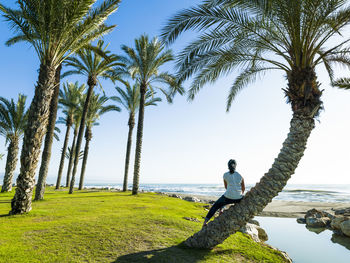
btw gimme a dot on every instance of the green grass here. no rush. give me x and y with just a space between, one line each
101 226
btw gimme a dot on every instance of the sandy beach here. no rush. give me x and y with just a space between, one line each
279 208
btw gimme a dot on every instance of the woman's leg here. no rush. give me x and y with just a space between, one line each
217 205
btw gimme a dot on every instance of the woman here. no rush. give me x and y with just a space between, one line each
234 185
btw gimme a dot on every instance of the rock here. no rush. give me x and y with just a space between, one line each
262 234
337 220
251 230
175 196
317 222
191 219
345 227
256 232
342 211
253 221
192 199
317 214
301 220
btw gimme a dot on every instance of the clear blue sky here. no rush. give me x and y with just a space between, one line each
192 142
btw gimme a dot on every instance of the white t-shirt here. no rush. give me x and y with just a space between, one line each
234 188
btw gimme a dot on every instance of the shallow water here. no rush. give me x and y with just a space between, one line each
305 245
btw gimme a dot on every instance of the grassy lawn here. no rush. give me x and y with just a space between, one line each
102 226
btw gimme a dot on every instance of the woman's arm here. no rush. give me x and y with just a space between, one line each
243 186
225 183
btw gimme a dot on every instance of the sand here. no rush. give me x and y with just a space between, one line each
291 209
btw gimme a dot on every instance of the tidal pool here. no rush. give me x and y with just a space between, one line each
305 245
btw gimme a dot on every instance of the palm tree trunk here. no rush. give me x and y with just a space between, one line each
92 84
88 137
139 135
37 122
71 157
131 124
64 149
259 196
46 155
11 161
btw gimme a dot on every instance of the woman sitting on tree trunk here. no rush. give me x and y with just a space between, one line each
234 185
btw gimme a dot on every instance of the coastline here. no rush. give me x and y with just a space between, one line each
278 208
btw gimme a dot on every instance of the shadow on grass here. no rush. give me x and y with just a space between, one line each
174 254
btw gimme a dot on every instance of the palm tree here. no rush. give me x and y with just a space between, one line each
130 99
56 29
255 37
13 121
69 98
93 64
97 108
70 152
144 64
46 155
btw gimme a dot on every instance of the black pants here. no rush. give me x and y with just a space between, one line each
222 201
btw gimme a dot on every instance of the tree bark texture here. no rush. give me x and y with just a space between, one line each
71 157
91 83
63 157
46 155
262 193
139 135
37 122
11 162
88 137
131 124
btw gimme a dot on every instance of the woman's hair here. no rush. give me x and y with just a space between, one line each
232 166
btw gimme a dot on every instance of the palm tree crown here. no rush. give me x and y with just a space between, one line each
257 36
56 29
13 118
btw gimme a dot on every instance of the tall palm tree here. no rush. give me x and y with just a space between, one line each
130 100
96 109
46 154
13 121
56 29
255 37
93 65
76 125
143 64
69 98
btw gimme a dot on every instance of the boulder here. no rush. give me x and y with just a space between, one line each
345 227
262 234
301 220
317 214
192 199
317 222
175 196
255 232
253 221
342 211
251 230
337 220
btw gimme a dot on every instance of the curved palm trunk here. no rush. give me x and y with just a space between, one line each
37 122
262 193
92 84
46 155
71 157
304 94
135 186
11 161
64 149
88 137
131 124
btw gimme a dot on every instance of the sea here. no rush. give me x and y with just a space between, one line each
334 193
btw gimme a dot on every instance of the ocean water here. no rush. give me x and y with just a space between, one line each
337 193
